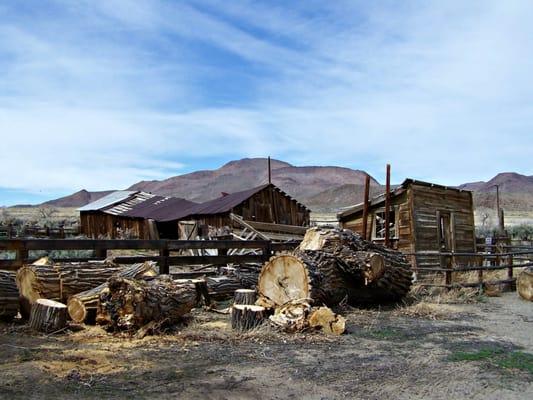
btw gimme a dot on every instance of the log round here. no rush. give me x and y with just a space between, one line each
332 265
82 306
245 317
524 284
244 296
9 295
48 316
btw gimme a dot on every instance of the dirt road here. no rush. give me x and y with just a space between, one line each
475 351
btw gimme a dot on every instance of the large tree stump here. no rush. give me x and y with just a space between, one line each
131 304
244 296
82 306
60 281
9 295
245 317
524 284
331 265
48 316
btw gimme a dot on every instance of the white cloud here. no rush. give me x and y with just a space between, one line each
108 93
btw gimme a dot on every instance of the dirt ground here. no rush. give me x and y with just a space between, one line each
423 351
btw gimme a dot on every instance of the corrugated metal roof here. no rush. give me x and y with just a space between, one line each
109 200
161 208
127 205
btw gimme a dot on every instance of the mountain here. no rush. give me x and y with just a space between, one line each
320 188
516 192
299 182
77 199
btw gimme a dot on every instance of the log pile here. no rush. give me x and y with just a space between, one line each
241 277
333 265
82 306
9 295
60 281
129 305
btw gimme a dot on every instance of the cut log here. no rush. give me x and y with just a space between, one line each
60 281
9 295
331 265
292 316
244 296
82 306
524 284
48 316
327 321
129 304
245 317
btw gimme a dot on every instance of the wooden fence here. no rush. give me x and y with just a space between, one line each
505 258
167 249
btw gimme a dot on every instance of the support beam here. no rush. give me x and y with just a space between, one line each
365 206
387 208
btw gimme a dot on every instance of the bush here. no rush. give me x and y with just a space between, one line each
522 232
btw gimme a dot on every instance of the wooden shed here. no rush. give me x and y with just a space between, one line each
266 203
134 215
424 217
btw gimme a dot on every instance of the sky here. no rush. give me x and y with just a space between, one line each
101 94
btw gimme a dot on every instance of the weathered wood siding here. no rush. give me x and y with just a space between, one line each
427 204
417 228
96 224
268 205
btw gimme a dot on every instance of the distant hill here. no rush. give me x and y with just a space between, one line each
299 182
516 192
77 199
320 188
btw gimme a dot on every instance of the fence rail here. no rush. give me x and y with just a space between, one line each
165 258
482 262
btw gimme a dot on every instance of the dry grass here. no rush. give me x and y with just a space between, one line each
427 310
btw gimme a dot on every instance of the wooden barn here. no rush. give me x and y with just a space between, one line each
424 217
133 215
264 208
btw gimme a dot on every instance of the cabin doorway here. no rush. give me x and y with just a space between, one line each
445 228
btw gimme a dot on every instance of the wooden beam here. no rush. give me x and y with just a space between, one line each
387 208
365 206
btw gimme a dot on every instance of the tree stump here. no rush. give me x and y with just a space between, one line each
82 306
48 316
245 317
244 296
9 295
524 284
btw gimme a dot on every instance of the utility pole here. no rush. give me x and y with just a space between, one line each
365 207
269 172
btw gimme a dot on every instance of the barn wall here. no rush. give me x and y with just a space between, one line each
427 203
268 205
98 224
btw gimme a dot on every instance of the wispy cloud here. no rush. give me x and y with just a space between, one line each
100 94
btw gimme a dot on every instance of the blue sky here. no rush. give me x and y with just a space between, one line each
101 94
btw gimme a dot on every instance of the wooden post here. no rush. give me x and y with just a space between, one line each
21 257
100 254
267 251
445 263
163 263
387 208
510 269
365 206
269 171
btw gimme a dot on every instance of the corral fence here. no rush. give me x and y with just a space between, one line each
11 232
453 268
17 252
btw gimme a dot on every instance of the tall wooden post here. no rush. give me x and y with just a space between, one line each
387 208
365 206
269 171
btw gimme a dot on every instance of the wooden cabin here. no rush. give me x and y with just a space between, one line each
424 217
133 215
265 208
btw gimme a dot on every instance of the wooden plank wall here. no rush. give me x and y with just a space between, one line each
427 202
99 225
